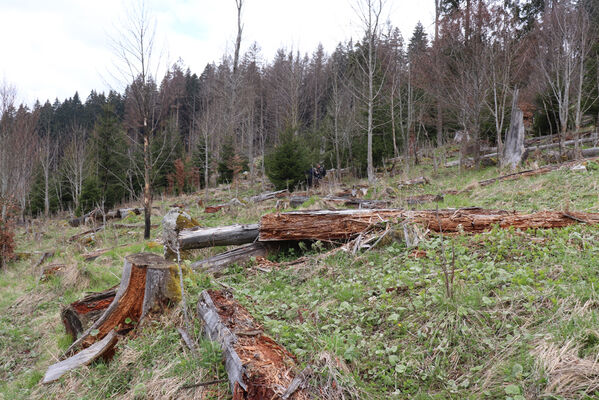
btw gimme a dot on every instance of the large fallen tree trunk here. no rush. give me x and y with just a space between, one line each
179 234
238 255
78 316
257 366
148 284
344 224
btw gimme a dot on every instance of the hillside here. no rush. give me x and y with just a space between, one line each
518 320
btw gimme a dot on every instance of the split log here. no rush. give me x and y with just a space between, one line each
84 357
149 283
78 316
257 366
345 224
239 255
267 196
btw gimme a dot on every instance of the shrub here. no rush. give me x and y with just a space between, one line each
286 165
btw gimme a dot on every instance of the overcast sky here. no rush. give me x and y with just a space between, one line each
50 49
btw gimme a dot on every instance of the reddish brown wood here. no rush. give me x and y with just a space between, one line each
78 316
268 368
345 224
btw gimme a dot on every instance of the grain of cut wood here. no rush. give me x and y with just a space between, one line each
345 224
258 367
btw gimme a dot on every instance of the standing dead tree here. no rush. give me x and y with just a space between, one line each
134 49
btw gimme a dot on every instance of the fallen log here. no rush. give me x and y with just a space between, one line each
78 316
180 234
536 171
360 203
345 224
239 255
258 367
270 195
148 284
82 235
296 201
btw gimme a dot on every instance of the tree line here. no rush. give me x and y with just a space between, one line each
374 98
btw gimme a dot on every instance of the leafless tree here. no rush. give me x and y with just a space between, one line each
369 12
138 67
74 161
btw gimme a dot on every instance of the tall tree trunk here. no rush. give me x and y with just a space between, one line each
147 186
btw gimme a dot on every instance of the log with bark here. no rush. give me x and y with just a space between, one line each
345 224
78 316
258 367
148 284
180 234
239 255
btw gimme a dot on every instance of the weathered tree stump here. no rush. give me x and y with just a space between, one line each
513 151
149 284
257 366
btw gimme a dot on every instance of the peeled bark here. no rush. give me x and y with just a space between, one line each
345 224
257 366
239 255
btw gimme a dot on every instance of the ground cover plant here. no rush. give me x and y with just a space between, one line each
517 319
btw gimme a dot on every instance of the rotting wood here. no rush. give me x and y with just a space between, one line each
345 224
148 284
257 366
239 255
78 316
423 198
513 151
84 357
298 382
172 223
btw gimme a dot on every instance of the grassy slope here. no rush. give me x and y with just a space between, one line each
518 296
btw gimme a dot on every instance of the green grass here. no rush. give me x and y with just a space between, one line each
514 293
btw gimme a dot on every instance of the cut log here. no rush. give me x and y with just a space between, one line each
344 224
84 357
80 315
148 283
270 195
240 255
199 238
257 366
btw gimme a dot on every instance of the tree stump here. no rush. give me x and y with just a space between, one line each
78 316
149 284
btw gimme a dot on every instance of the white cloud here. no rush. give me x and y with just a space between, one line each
52 49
